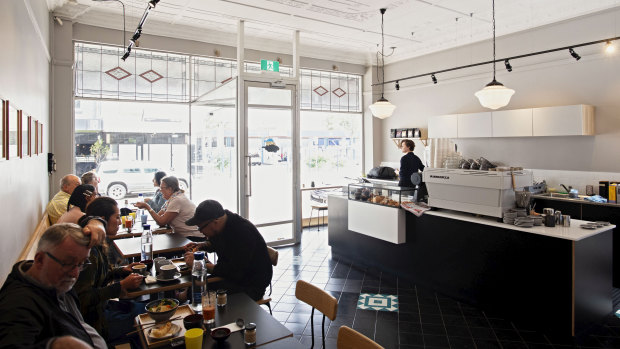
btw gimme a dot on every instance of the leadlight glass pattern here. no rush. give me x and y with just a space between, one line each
145 75
159 76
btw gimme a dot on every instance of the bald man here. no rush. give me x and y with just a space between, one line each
58 205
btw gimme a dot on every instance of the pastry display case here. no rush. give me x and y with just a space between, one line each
380 194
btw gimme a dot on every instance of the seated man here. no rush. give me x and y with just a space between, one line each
39 307
243 260
58 205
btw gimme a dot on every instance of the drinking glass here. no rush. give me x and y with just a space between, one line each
208 307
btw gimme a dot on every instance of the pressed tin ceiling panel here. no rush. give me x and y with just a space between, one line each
334 29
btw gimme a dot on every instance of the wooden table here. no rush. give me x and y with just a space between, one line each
182 282
239 305
162 243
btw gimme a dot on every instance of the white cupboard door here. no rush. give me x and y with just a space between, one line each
475 125
443 126
570 120
512 123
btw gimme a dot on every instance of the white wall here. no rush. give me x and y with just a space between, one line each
24 81
546 80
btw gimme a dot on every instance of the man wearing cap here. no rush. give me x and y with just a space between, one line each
243 260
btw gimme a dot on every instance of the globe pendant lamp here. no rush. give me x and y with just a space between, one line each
494 95
382 108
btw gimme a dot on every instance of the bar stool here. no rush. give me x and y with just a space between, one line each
319 208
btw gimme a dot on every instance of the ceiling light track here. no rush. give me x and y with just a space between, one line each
136 35
512 58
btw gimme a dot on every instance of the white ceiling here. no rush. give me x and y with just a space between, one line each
342 30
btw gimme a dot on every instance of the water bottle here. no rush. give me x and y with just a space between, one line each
140 197
147 243
199 273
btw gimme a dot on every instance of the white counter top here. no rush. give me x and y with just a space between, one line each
574 232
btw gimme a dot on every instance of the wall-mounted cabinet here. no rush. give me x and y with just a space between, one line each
475 125
443 126
512 123
570 120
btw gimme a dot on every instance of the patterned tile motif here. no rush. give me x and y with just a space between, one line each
339 92
380 302
320 90
118 73
151 76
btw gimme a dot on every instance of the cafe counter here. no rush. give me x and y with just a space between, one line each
556 279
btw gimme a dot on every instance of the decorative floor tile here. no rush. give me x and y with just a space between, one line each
380 302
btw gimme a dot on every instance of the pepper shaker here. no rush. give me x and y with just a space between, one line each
249 336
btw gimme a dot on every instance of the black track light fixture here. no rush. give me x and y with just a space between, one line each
433 78
575 55
508 66
153 3
397 85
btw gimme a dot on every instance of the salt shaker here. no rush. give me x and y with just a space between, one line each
249 337
222 298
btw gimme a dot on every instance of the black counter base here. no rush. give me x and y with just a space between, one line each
544 281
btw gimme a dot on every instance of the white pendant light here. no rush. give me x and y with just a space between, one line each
382 108
494 95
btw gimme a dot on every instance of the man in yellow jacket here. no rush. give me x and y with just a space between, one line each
58 205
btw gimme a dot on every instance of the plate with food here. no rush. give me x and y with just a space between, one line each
163 331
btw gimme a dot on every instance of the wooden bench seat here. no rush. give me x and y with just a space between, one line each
31 247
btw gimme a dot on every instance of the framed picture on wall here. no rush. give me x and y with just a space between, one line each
20 152
13 124
35 135
29 135
3 129
41 139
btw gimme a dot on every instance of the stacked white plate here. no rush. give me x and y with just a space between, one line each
538 220
524 222
510 216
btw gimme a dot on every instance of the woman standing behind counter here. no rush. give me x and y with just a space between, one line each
409 164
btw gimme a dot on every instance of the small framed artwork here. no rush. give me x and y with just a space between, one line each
410 133
398 133
29 135
41 138
36 137
3 129
13 135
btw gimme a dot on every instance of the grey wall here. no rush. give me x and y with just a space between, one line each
24 81
547 80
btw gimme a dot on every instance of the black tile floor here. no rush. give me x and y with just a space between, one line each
424 319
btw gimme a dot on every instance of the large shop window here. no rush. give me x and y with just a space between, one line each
137 113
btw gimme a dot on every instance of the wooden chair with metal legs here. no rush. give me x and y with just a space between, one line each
273 256
319 299
349 338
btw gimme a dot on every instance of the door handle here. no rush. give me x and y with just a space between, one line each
249 193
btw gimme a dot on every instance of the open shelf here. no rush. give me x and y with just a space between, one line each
398 140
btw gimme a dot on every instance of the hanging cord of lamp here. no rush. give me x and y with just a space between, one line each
494 95
136 35
382 108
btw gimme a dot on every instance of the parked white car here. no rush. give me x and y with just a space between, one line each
118 178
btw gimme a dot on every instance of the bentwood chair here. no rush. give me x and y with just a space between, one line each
319 299
273 256
349 338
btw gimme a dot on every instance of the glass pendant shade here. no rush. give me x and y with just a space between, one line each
494 95
382 108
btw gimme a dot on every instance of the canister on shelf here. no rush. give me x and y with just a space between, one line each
603 189
558 217
612 192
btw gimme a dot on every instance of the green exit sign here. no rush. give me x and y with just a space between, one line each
269 65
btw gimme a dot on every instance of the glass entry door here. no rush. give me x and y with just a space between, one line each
269 200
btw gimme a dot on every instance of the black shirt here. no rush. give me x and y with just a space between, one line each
409 164
242 256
